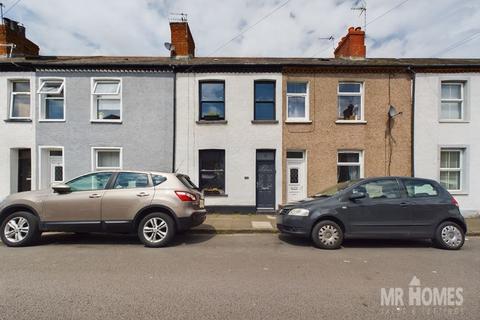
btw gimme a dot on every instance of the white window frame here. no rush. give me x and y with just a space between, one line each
461 100
42 98
307 103
351 164
12 94
460 169
114 96
362 103
95 151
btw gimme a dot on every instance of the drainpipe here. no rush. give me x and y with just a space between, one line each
174 117
413 74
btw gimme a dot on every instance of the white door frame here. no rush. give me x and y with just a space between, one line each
301 164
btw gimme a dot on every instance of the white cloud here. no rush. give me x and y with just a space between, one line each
418 28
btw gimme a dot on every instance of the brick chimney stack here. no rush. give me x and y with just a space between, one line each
13 41
352 46
182 42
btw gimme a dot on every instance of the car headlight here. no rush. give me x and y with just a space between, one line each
298 212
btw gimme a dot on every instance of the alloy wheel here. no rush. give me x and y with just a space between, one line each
451 236
155 229
16 229
328 235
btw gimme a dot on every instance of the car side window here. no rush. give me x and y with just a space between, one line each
379 189
420 189
131 180
92 181
158 179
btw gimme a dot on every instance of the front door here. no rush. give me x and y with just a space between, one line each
24 170
296 182
265 180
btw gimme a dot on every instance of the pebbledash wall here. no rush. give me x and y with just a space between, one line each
434 134
14 135
238 136
144 135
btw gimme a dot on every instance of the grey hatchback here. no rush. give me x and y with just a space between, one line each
385 207
155 205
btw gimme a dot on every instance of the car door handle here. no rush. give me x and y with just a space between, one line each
404 204
142 194
94 195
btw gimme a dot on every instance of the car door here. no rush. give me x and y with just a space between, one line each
384 212
426 206
131 192
81 206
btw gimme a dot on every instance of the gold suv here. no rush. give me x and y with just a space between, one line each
154 204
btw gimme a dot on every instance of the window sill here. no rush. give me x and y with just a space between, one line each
351 122
264 121
298 121
453 121
211 121
47 120
103 121
18 120
215 195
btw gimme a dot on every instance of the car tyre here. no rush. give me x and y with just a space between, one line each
449 236
20 229
327 235
156 230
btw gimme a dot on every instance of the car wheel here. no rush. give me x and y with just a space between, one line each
450 236
156 230
20 229
327 235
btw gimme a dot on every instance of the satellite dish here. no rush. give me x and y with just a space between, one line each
392 112
169 46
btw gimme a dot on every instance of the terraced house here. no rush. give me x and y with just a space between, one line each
252 133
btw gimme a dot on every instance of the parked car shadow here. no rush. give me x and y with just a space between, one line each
362 243
66 238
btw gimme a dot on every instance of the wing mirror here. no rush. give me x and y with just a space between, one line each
357 196
61 188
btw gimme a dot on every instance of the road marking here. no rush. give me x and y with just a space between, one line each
261 225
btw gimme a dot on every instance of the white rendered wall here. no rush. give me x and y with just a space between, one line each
239 137
431 134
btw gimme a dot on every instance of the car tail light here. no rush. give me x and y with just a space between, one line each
454 201
185 196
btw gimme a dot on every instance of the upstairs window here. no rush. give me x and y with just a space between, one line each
212 100
212 172
452 101
350 102
52 101
20 99
264 100
297 101
107 102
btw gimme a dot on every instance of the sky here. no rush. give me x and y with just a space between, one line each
265 28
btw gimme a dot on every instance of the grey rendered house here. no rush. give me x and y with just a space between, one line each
94 113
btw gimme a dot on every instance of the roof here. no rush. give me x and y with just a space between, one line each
217 63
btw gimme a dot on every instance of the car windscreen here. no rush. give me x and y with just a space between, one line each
330 191
187 182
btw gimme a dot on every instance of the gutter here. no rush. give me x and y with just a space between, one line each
413 73
174 117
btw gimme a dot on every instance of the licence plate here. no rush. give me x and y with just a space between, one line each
202 203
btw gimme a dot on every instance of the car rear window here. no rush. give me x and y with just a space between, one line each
420 189
187 182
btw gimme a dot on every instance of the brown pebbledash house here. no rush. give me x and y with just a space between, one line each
348 119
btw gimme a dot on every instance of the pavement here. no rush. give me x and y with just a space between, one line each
264 223
239 276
